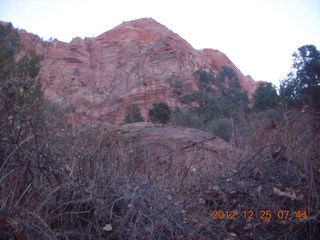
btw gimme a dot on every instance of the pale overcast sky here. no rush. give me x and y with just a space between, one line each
259 36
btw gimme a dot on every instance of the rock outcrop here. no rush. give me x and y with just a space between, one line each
170 155
136 62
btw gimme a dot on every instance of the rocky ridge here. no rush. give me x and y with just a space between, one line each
136 62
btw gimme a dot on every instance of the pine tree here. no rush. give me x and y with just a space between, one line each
302 86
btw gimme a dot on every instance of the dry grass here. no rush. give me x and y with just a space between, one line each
79 183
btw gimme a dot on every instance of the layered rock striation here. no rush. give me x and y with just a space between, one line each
136 62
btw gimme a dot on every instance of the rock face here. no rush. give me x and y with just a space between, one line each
171 154
136 62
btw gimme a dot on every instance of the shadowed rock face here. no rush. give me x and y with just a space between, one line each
136 62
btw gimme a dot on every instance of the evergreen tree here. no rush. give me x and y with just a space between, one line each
224 101
133 114
302 86
265 97
160 113
218 102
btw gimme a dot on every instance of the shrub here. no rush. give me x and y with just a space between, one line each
160 113
21 95
177 88
265 97
187 118
221 127
133 114
27 169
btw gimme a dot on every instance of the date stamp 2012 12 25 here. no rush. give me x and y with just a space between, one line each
263 214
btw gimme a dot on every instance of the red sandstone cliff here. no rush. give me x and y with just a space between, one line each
136 62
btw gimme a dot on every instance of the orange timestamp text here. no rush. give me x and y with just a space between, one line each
263 214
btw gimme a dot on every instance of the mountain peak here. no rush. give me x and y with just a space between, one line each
144 29
141 23
136 62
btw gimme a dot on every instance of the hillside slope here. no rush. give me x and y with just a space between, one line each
136 62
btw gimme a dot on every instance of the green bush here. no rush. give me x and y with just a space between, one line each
160 113
133 114
271 114
187 118
222 127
